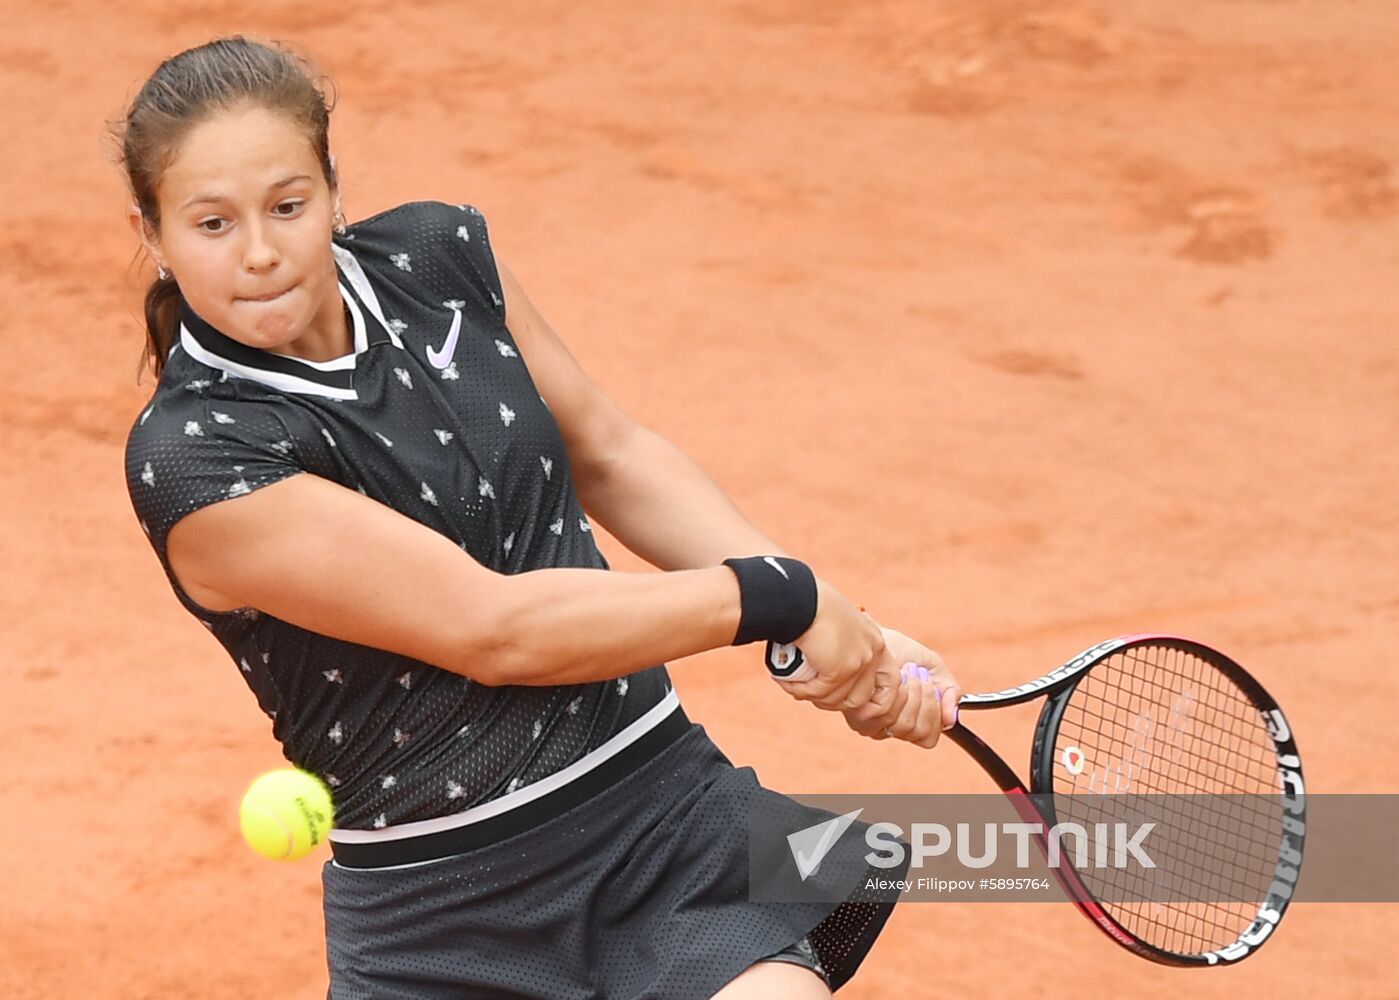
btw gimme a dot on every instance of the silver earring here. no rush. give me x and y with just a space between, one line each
164 274
340 224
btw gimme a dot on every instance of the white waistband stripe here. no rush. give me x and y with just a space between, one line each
653 717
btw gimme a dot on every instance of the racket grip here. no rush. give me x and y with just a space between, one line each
785 662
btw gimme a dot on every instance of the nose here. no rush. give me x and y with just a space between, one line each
260 253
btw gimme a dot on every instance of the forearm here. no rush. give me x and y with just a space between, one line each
661 505
572 626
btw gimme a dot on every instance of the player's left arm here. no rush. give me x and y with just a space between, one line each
661 505
648 493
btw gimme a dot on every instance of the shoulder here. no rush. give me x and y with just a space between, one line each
202 440
197 412
420 225
191 394
179 397
433 244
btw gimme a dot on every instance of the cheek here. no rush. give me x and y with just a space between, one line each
318 270
204 280
200 263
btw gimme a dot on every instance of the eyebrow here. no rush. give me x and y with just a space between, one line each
200 199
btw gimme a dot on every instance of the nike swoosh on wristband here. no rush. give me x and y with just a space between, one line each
442 358
775 565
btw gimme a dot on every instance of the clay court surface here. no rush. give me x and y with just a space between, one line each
1028 324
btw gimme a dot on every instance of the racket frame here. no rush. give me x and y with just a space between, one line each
1057 686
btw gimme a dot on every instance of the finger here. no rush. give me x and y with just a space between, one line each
834 697
892 703
882 697
866 675
855 690
801 690
874 730
886 703
859 693
889 676
821 686
951 699
903 694
929 726
907 719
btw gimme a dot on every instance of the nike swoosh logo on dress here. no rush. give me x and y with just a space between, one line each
442 358
775 565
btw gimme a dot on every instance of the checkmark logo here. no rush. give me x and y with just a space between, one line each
811 845
776 565
442 358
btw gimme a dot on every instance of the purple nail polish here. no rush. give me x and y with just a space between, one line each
923 673
937 693
903 677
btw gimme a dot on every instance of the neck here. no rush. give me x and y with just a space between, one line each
329 336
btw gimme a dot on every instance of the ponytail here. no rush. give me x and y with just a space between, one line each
162 322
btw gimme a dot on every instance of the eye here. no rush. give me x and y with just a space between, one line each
204 224
287 209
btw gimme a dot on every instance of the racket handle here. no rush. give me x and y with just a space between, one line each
785 662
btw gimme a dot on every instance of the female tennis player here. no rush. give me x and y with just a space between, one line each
370 468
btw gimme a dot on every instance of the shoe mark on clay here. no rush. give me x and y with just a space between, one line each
1219 224
1043 364
1354 184
974 63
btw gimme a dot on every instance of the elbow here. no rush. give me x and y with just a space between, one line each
595 465
490 654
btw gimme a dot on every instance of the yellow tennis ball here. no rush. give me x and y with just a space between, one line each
286 813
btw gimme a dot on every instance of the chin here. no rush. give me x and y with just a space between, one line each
272 333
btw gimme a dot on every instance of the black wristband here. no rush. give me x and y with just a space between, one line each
778 597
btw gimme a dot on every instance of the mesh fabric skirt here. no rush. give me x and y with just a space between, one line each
640 891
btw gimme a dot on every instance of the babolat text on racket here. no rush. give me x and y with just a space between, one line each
1160 719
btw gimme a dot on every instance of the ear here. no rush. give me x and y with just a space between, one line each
335 187
143 231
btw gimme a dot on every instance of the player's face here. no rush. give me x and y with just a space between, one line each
246 218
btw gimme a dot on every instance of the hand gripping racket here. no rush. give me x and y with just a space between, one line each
1160 718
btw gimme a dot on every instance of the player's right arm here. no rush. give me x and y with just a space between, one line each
330 560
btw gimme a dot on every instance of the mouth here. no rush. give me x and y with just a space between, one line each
269 297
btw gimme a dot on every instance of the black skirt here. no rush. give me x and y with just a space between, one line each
640 891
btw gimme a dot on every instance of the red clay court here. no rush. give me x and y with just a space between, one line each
1026 323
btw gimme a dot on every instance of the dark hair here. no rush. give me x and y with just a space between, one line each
188 89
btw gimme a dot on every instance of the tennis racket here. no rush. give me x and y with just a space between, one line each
1160 718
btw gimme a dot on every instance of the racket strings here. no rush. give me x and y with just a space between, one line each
1213 738
1170 731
